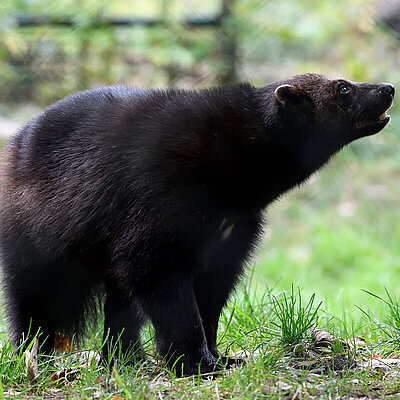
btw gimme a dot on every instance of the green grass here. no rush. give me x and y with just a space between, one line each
388 326
266 333
294 320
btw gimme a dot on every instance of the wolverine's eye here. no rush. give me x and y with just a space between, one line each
344 89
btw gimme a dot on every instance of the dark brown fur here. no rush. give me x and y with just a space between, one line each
156 198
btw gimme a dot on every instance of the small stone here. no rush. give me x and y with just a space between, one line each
284 386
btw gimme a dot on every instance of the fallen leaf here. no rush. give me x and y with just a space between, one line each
31 361
64 376
324 339
321 337
284 386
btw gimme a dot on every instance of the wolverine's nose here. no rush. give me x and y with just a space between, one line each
389 88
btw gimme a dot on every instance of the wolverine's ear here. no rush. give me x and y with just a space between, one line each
288 93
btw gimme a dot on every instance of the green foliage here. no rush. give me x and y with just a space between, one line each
273 39
249 329
389 326
42 64
294 319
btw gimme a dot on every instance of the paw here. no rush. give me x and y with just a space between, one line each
229 362
197 369
195 364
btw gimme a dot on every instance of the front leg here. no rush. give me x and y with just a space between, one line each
212 291
170 303
224 263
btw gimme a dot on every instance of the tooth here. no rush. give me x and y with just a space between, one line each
383 115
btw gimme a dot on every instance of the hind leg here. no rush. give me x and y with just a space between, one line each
122 326
42 292
25 286
52 303
27 311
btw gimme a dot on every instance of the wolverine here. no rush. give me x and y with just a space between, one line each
151 202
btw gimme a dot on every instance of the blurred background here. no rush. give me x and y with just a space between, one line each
336 235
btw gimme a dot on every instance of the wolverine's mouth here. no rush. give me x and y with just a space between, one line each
379 122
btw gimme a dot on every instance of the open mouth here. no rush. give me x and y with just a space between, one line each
380 121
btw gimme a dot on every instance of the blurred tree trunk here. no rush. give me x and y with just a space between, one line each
227 71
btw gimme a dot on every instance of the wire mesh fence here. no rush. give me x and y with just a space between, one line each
50 49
